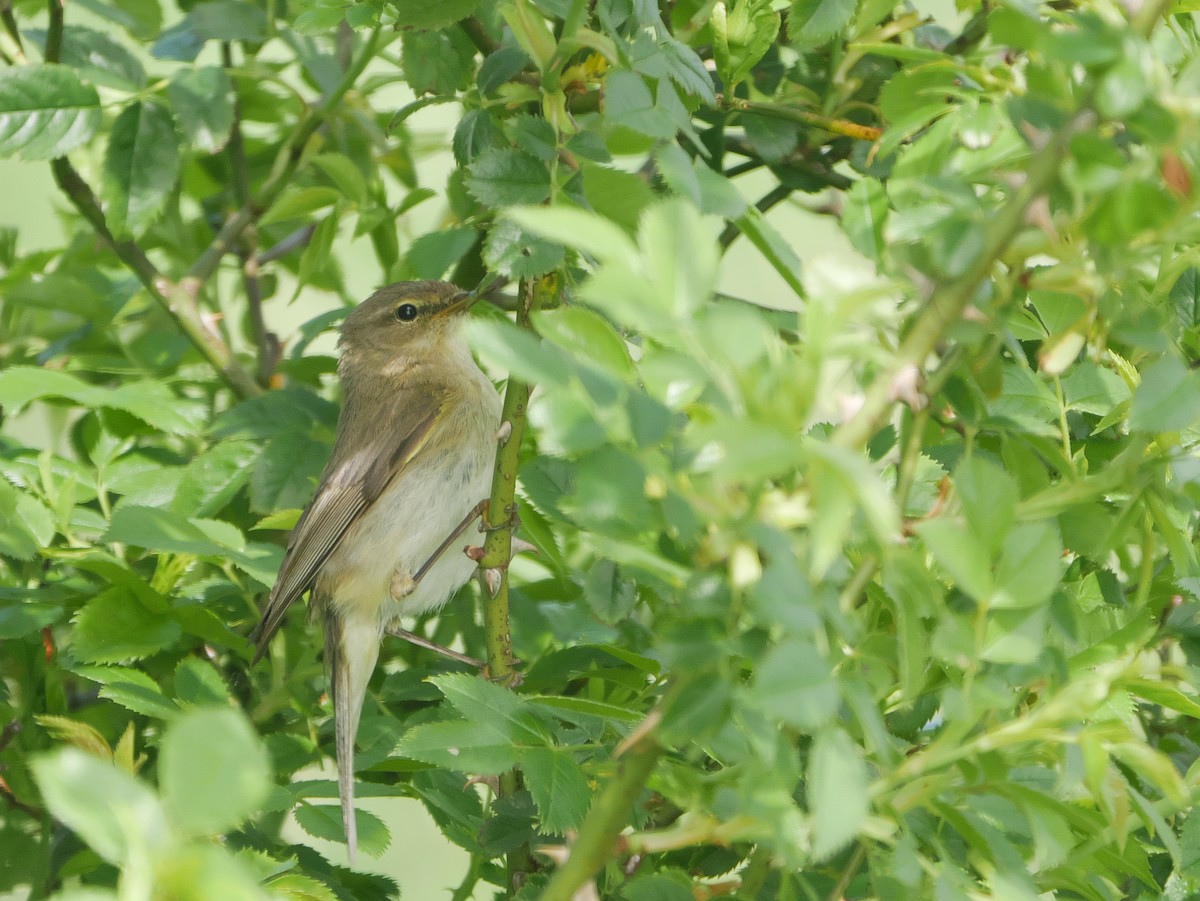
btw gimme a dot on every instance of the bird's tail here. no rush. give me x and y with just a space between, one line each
351 649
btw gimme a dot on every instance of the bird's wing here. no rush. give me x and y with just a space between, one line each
349 486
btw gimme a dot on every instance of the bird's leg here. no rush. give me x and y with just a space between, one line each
405 583
414 638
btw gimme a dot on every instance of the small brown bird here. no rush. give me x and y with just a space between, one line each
415 446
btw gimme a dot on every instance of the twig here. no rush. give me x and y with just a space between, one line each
177 300
10 25
772 198
54 33
843 127
266 344
848 873
476 31
297 239
948 301
497 550
597 839
950 298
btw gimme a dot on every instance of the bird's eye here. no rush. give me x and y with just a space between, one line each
406 312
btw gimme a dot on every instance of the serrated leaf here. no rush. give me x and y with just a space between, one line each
202 99
516 254
489 706
156 529
459 745
84 736
558 786
45 111
131 688
814 21
18 619
324 821
506 176
421 14
114 626
140 168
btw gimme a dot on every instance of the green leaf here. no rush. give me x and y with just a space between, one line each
324 821
503 177
20 619
26 526
812 22
584 231
197 682
511 251
228 20
422 14
202 99
437 62
97 57
286 474
114 813
156 529
45 111
140 168
348 178
432 255
131 688
114 626
1030 566
989 498
628 102
213 770
743 32
1168 398
459 745
214 477
838 795
301 203
960 554
558 786
490 706
794 685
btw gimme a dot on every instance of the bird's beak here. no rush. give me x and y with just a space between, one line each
459 303
463 301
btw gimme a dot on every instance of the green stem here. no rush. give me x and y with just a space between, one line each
497 550
597 839
945 307
843 127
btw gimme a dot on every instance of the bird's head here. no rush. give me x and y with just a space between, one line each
406 320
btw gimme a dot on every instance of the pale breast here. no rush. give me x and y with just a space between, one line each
414 515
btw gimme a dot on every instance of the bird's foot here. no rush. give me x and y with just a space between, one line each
402 583
512 519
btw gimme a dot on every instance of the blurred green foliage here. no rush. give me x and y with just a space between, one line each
893 597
